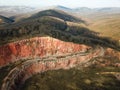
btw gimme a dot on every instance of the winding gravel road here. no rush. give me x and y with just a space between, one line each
20 73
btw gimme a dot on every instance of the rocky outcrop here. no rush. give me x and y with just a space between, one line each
37 47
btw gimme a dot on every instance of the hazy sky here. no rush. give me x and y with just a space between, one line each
68 3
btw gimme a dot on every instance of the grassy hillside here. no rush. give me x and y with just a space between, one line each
106 24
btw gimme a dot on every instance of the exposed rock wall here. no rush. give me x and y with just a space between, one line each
37 47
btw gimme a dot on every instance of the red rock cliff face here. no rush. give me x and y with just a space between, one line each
38 47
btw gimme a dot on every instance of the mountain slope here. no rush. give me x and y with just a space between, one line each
102 20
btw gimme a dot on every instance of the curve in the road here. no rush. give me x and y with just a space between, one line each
18 75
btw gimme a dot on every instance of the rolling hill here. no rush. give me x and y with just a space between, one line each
107 25
55 13
102 20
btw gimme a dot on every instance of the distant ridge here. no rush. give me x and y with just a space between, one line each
82 10
59 7
15 10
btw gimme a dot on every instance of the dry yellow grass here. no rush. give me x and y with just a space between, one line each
108 26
